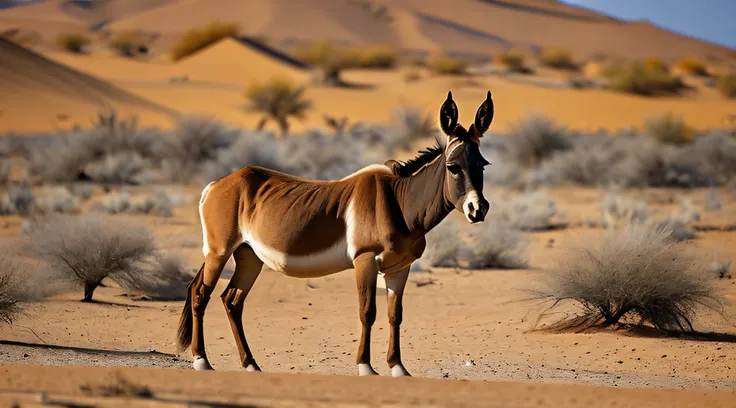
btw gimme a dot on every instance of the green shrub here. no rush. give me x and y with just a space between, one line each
512 60
668 129
72 42
693 66
726 84
557 58
445 65
371 56
199 38
638 79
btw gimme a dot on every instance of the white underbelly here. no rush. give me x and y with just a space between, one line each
326 262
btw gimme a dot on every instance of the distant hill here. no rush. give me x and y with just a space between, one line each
463 27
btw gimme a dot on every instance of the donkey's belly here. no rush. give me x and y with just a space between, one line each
326 262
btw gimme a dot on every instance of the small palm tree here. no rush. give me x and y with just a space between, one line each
278 100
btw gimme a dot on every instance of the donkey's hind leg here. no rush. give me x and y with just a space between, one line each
201 291
247 268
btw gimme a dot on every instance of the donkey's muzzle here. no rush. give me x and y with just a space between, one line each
476 210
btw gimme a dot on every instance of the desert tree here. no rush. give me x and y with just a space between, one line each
277 100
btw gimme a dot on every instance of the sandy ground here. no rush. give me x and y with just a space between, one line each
469 325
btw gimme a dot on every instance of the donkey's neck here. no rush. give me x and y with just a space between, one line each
422 197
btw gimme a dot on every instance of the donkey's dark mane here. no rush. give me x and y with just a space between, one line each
409 167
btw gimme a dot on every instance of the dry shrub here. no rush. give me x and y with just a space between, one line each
655 65
530 211
375 56
73 42
87 249
557 58
127 43
617 210
17 199
278 100
711 202
165 279
692 66
446 65
58 199
319 53
199 38
726 85
411 125
637 79
4 171
668 129
492 244
159 204
10 289
513 61
720 268
635 273
535 137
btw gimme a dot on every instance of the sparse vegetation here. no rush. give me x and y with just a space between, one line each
17 199
655 65
726 85
692 66
159 204
668 129
637 273
411 125
493 244
636 78
10 295
512 61
445 65
530 211
128 43
720 268
535 137
557 58
278 100
58 199
371 56
199 38
87 249
618 211
73 42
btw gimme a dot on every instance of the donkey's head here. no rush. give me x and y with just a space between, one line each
464 171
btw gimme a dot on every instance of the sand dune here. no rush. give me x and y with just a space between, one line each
38 92
234 62
463 26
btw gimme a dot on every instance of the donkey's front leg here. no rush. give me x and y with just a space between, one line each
366 274
395 284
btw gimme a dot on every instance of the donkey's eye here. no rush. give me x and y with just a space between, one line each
454 169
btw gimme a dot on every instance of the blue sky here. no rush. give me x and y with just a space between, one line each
712 20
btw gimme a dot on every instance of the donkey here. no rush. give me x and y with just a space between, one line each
373 221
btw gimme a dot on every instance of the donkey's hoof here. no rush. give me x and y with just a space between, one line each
252 367
201 364
366 369
399 371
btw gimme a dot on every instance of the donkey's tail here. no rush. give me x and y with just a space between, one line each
184 334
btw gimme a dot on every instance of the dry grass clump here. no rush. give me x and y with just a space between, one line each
87 249
720 268
637 79
128 43
58 199
635 273
513 61
278 100
159 204
529 211
726 85
558 58
491 245
655 65
669 129
73 42
199 38
10 290
617 210
692 66
446 65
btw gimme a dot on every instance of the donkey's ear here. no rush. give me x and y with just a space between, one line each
448 115
484 116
